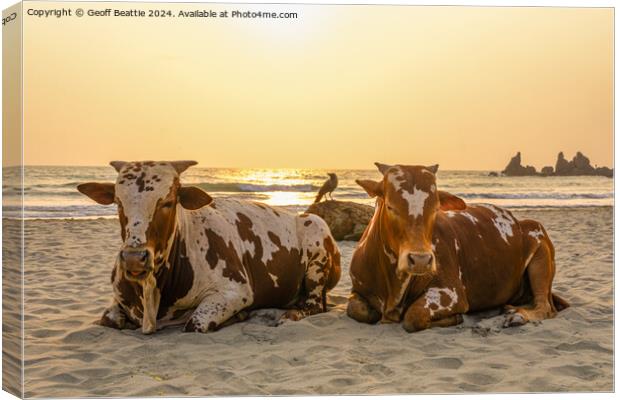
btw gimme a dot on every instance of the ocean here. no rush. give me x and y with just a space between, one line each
50 192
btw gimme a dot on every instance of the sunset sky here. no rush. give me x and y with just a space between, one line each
338 87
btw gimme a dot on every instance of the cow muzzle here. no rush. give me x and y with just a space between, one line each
417 263
137 263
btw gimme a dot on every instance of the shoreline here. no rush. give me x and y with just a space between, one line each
515 210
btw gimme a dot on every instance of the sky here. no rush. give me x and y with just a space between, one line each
338 87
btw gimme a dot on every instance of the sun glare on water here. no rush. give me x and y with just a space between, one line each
280 187
286 198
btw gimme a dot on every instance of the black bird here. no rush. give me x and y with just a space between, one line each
328 187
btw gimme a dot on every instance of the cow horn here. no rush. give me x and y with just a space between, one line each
118 165
383 167
181 166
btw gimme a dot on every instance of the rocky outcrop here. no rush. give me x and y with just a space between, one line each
547 171
514 167
346 220
578 166
562 166
604 171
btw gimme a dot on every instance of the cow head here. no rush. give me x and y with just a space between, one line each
408 202
147 195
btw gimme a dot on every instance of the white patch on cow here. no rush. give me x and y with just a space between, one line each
390 255
537 234
314 272
452 214
456 245
274 279
433 297
399 294
433 188
503 221
461 277
415 201
470 217
113 313
282 225
396 178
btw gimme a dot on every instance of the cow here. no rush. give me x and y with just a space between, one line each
187 258
425 266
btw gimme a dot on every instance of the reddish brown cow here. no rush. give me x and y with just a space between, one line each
426 266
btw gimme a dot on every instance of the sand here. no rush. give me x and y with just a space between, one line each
68 266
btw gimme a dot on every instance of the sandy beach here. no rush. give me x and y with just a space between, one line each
68 264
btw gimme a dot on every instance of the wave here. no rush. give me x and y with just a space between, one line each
536 195
225 187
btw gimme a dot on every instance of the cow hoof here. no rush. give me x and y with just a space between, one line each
113 318
411 327
108 323
190 326
514 319
193 326
510 309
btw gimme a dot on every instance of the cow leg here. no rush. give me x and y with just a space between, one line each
448 321
215 310
540 270
431 310
322 259
360 310
114 317
315 294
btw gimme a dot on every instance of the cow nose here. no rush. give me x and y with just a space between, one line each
418 261
135 262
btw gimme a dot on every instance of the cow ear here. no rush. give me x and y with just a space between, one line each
102 193
373 188
181 166
118 165
383 168
450 202
433 168
193 198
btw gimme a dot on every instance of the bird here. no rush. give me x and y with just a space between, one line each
328 187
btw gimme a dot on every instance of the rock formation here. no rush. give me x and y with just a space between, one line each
346 220
547 171
514 167
578 166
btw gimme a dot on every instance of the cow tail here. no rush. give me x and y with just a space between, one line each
335 271
559 303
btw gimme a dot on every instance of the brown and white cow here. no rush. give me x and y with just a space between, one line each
425 266
187 258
